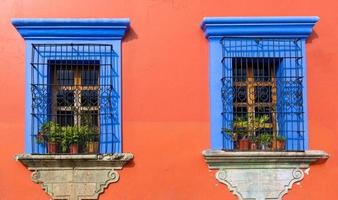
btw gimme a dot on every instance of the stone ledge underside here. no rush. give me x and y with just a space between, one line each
261 175
74 177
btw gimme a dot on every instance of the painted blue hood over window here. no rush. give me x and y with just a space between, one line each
99 29
300 27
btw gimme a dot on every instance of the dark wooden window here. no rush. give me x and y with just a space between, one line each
254 98
75 92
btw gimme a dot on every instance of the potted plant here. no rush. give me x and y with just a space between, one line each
92 143
278 143
253 143
73 138
241 132
239 137
50 134
244 142
90 133
265 141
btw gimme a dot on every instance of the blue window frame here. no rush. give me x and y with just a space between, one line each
82 56
277 42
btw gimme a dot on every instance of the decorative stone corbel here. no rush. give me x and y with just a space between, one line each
74 177
260 175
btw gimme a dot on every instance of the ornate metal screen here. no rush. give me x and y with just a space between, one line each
262 94
75 98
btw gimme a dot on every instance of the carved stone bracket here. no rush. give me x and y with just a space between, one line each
260 175
74 177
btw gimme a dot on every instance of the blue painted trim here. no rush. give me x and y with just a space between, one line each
105 31
215 87
305 104
216 28
28 99
115 138
290 27
72 29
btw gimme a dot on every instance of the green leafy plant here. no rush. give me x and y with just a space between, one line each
244 128
92 134
49 132
64 136
265 138
253 139
280 138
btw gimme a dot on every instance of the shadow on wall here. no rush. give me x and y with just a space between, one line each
131 35
312 37
130 164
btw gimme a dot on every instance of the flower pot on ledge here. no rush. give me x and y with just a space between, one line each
92 147
253 146
51 147
74 149
244 144
278 145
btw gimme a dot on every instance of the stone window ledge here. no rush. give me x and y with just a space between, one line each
231 159
261 175
74 177
116 161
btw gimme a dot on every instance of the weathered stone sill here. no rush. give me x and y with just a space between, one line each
74 177
261 175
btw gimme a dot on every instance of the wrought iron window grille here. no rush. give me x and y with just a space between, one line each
262 94
74 98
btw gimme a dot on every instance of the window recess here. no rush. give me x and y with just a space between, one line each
74 98
262 94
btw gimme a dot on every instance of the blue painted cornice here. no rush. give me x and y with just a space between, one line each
81 28
285 27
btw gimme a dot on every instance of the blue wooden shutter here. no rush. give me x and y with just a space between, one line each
41 95
110 141
227 93
290 86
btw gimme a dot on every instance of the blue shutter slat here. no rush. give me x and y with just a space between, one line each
227 98
109 107
41 106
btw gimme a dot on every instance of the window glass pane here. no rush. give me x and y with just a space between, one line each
89 75
264 69
65 76
65 118
240 113
240 94
65 98
263 94
89 118
239 71
89 98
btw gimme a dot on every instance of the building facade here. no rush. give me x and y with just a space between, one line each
168 100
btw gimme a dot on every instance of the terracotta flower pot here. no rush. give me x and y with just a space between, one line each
51 147
278 145
244 144
74 149
253 146
92 147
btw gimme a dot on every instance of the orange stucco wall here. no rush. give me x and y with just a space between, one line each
165 94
